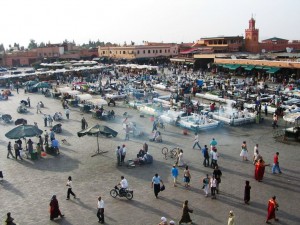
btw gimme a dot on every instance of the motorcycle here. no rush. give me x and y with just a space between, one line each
116 192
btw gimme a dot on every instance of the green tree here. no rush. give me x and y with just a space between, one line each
42 44
32 44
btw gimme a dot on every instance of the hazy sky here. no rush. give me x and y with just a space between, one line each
138 20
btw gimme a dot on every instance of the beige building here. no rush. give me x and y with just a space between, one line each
149 50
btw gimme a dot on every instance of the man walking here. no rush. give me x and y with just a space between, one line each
45 120
276 164
123 154
100 212
217 174
9 152
213 144
28 101
67 112
196 141
156 184
174 172
206 156
46 138
83 124
38 108
69 185
127 133
17 150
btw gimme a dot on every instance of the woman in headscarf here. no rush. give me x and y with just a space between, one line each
185 218
54 208
260 170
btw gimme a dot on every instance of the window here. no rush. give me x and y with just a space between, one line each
138 52
120 52
160 51
153 51
165 50
123 52
168 50
109 52
103 52
149 51
144 51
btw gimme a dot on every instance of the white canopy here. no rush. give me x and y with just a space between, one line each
97 101
73 92
292 117
84 97
64 90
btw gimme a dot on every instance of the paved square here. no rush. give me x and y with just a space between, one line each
28 185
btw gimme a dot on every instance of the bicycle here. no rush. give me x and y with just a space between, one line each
172 154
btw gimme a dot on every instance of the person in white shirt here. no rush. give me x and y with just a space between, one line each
69 185
255 149
123 184
196 141
100 212
213 186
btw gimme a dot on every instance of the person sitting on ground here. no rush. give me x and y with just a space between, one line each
158 137
141 153
112 113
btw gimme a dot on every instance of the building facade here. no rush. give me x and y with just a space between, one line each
149 50
274 44
223 43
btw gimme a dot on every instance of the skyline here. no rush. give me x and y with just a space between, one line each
118 21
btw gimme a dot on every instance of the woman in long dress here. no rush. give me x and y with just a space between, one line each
180 158
260 170
54 208
185 218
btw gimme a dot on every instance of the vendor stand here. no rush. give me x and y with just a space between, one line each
292 132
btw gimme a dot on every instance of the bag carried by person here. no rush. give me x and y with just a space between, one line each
162 188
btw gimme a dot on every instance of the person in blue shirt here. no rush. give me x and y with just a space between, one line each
156 184
174 172
55 145
206 156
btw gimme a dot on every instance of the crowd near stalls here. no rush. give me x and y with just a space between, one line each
196 100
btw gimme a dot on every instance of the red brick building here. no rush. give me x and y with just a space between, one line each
274 44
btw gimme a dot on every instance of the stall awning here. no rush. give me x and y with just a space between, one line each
234 66
249 68
259 67
273 70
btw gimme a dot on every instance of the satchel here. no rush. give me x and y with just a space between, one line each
162 188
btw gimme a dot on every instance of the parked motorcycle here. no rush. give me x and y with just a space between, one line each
116 192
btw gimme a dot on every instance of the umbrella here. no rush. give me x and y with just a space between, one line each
30 83
23 131
20 121
6 117
96 130
42 85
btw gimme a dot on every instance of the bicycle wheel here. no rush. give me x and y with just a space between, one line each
165 151
113 193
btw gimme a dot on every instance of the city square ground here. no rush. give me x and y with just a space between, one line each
28 185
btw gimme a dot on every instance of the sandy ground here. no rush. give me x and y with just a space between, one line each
28 185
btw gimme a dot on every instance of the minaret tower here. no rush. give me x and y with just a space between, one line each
251 37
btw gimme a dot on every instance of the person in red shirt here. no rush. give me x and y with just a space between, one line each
276 164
